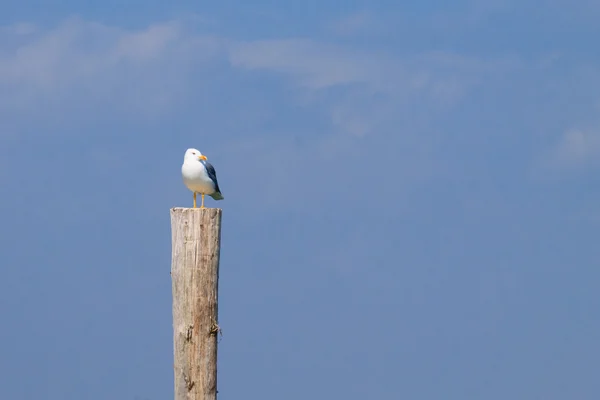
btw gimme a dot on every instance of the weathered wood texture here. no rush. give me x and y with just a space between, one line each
196 236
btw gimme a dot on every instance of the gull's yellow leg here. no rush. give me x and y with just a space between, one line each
202 206
194 199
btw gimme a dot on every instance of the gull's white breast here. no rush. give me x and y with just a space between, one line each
196 178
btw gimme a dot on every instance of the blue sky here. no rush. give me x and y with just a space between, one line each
411 196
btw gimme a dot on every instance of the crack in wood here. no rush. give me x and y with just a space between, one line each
215 329
188 383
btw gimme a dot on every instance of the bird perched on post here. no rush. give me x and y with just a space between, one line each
199 176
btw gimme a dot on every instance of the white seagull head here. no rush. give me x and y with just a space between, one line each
194 154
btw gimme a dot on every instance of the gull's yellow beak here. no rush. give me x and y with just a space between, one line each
202 157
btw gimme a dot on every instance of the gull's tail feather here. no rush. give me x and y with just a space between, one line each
217 196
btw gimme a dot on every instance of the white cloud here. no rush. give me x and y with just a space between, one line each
321 65
80 61
152 70
149 44
575 151
371 86
578 147
317 65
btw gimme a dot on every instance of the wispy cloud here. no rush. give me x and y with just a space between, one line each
317 65
575 151
577 148
321 65
83 69
150 70
80 61
368 86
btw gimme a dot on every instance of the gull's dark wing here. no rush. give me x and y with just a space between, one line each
212 174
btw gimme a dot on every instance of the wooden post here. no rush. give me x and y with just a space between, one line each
196 237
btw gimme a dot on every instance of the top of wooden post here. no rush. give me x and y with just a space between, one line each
197 208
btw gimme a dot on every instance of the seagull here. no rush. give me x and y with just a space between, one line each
199 176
